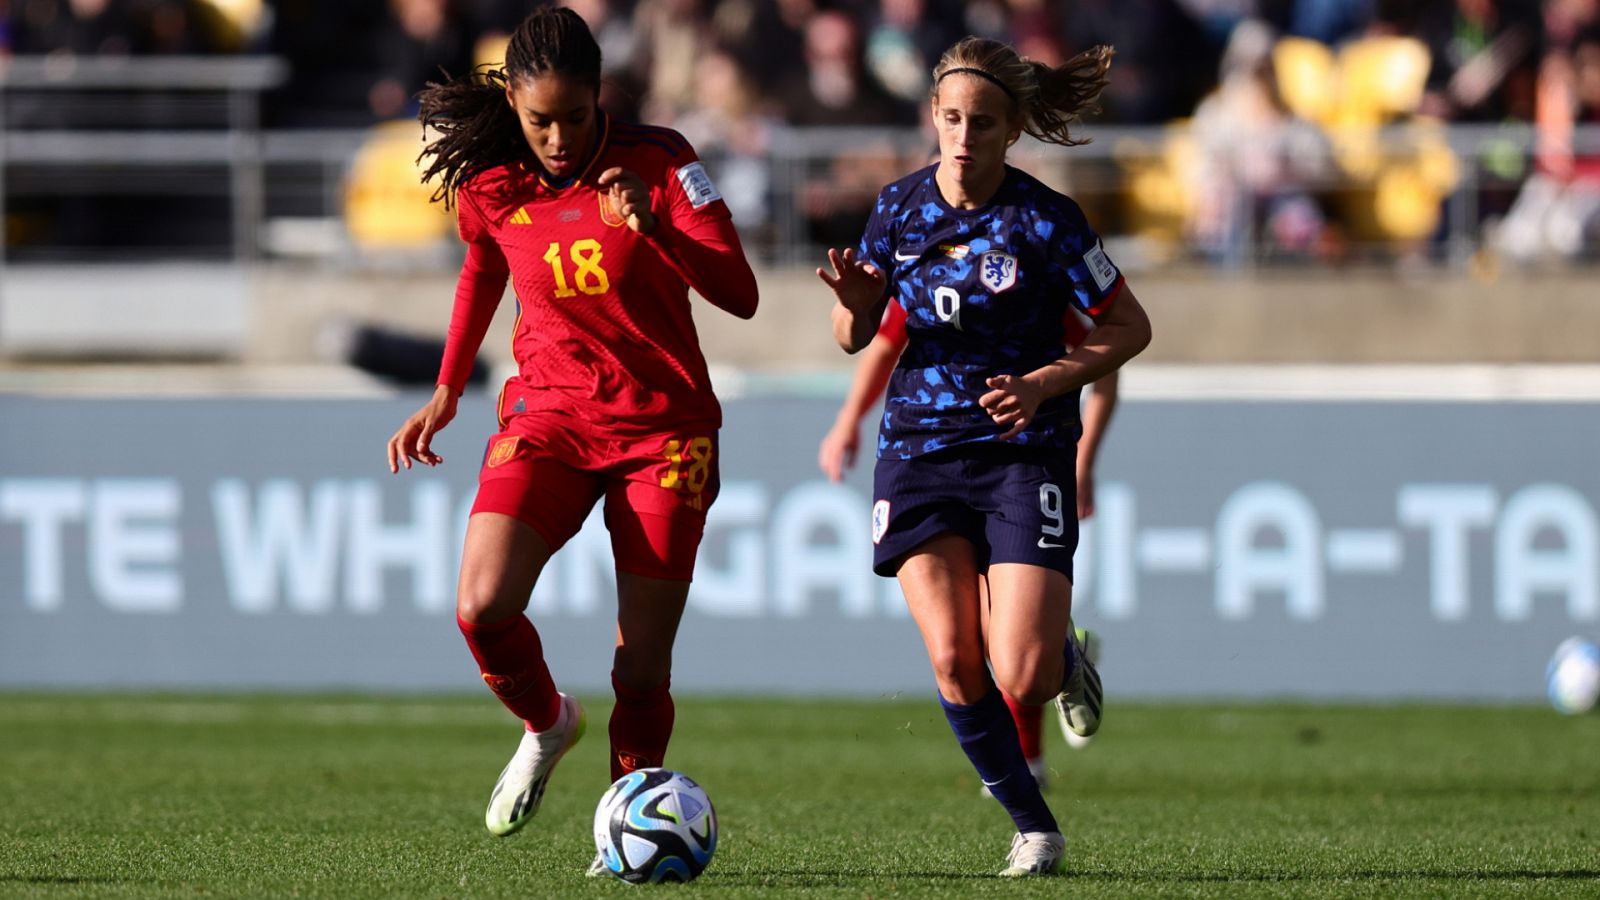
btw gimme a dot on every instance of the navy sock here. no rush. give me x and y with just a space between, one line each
989 737
1069 657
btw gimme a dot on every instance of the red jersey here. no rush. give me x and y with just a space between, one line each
604 329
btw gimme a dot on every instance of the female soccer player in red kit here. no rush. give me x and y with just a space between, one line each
602 227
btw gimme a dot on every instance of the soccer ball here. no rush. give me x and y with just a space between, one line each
1573 676
655 825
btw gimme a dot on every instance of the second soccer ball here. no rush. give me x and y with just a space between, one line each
1572 678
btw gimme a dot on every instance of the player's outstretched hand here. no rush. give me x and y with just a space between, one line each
856 283
631 197
1011 403
414 437
838 451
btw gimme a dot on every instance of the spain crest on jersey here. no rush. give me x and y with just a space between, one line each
997 270
502 451
609 213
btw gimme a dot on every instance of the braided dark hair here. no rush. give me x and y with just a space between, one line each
477 129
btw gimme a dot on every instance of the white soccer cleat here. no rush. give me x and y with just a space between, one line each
1079 705
1091 650
1041 774
1035 853
597 868
521 786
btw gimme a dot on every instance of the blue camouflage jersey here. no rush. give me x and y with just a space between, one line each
986 292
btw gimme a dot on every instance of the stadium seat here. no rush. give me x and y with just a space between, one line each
386 205
490 50
1159 189
1306 76
232 24
1382 77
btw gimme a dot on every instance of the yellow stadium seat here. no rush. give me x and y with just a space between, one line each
1306 77
1158 197
491 50
386 205
1382 77
231 23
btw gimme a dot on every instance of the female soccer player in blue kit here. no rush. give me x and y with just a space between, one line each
975 474
837 452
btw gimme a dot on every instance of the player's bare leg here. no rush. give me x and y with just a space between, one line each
1029 616
501 562
940 582
1027 628
1078 696
1029 719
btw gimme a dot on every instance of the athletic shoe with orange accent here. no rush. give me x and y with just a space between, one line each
517 794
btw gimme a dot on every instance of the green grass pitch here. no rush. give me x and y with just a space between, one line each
341 796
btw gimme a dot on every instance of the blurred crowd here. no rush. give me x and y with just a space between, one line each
1313 126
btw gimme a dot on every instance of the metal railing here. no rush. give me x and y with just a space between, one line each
72 126
54 112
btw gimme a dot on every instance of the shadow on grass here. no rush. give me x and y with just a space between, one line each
66 879
1353 875
795 878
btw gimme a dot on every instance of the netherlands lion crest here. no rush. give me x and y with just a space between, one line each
880 520
997 271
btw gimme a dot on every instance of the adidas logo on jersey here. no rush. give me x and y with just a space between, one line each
521 217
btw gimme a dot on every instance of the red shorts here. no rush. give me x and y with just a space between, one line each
548 469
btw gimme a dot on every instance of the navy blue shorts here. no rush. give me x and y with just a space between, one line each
1015 504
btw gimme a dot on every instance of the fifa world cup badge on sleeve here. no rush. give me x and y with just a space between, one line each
997 271
1100 267
880 520
697 184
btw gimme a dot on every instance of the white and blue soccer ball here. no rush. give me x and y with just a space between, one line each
655 825
1573 677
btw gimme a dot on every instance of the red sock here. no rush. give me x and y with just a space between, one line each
641 725
1028 730
512 662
